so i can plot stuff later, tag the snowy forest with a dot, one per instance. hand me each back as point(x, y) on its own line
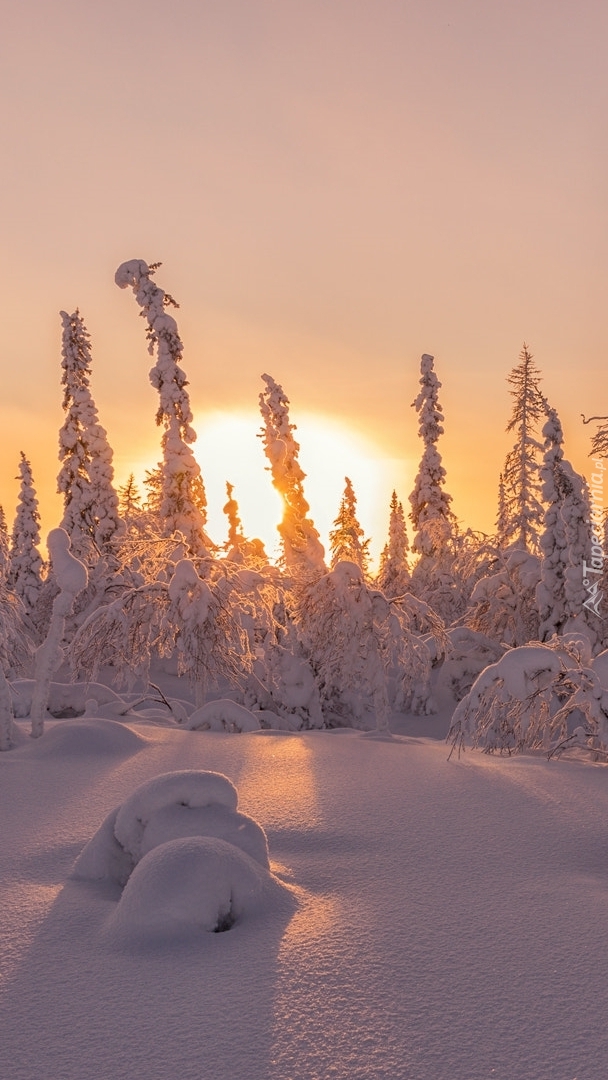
point(511, 625)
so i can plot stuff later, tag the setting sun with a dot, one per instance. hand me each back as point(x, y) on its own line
point(228, 449)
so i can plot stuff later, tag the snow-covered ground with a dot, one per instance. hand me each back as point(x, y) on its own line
point(447, 919)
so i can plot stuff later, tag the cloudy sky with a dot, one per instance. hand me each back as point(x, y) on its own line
point(334, 187)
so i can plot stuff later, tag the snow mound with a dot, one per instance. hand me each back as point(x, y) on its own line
point(84, 738)
point(176, 805)
point(65, 699)
point(193, 884)
point(222, 715)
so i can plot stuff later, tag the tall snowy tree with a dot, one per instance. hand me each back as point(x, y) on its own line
point(523, 510)
point(85, 479)
point(430, 513)
point(25, 559)
point(302, 547)
point(4, 546)
point(183, 504)
point(394, 574)
point(235, 527)
point(238, 548)
point(346, 538)
point(502, 526)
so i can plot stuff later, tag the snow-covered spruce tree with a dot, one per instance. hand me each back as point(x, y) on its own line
point(394, 574)
point(71, 577)
point(564, 542)
point(430, 514)
point(522, 508)
point(183, 502)
point(25, 559)
point(235, 526)
point(130, 504)
point(502, 525)
point(90, 514)
point(238, 548)
point(346, 538)
point(302, 548)
point(4, 547)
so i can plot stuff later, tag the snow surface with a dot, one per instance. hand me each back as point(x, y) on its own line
point(445, 919)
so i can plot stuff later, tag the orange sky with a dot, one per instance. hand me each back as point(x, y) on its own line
point(334, 187)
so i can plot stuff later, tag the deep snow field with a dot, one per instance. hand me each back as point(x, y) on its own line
point(437, 920)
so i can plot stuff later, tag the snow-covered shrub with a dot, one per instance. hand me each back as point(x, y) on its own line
point(194, 885)
point(224, 714)
point(189, 861)
point(187, 616)
point(176, 804)
point(211, 641)
point(71, 577)
point(503, 603)
point(341, 622)
point(535, 697)
point(125, 634)
point(282, 682)
point(467, 655)
point(415, 639)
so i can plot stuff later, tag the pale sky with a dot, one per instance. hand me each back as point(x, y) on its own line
point(334, 187)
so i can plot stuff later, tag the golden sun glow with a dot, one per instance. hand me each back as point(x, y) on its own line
point(228, 448)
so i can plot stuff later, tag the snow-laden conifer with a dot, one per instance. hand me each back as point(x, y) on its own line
point(394, 575)
point(522, 508)
point(183, 502)
point(346, 538)
point(25, 559)
point(4, 546)
point(565, 542)
point(238, 547)
point(550, 592)
point(502, 525)
point(235, 526)
point(129, 503)
point(302, 548)
point(431, 515)
point(86, 476)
